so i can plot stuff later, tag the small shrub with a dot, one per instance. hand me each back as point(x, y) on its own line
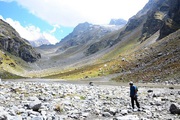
point(82, 98)
point(58, 108)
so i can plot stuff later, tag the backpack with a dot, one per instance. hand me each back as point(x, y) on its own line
point(136, 88)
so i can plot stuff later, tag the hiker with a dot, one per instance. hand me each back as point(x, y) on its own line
point(133, 95)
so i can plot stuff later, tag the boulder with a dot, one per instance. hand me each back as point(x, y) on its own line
point(3, 117)
point(35, 105)
point(174, 109)
point(150, 91)
point(106, 114)
point(124, 112)
point(91, 83)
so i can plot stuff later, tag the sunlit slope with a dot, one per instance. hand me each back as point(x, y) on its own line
point(156, 62)
point(53, 62)
point(109, 60)
point(148, 61)
point(9, 68)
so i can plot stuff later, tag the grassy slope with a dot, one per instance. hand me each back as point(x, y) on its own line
point(136, 61)
point(9, 68)
point(72, 69)
point(157, 62)
point(110, 63)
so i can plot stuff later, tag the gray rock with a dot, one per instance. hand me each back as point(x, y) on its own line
point(74, 116)
point(106, 114)
point(85, 114)
point(174, 109)
point(124, 112)
point(171, 87)
point(113, 111)
point(3, 117)
point(150, 91)
point(35, 105)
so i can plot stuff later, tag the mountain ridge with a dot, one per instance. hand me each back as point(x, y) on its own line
point(138, 47)
point(85, 32)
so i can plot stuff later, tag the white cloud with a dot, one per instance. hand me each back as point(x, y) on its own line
point(55, 28)
point(52, 39)
point(72, 12)
point(30, 32)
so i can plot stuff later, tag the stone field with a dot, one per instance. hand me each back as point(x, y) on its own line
point(63, 101)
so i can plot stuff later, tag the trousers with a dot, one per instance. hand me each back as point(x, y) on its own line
point(132, 102)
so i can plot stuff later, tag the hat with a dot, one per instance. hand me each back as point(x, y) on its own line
point(131, 83)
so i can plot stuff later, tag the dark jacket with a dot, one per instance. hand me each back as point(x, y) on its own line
point(133, 91)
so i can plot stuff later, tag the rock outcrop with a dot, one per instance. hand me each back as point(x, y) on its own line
point(157, 15)
point(164, 16)
point(11, 42)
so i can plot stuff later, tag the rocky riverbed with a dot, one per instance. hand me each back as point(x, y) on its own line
point(65, 101)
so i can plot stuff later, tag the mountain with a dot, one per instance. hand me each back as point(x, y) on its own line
point(39, 42)
point(72, 49)
point(155, 58)
point(157, 15)
point(16, 53)
point(86, 33)
point(146, 49)
point(11, 42)
point(118, 22)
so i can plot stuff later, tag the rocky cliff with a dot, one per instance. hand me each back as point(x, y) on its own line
point(157, 15)
point(11, 42)
point(164, 16)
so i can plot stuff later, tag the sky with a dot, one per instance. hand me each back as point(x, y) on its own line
point(55, 19)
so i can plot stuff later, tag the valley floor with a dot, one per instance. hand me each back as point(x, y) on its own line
point(39, 99)
point(106, 80)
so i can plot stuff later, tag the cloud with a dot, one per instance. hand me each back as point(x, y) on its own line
point(50, 37)
point(30, 32)
point(55, 28)
point(73, 12)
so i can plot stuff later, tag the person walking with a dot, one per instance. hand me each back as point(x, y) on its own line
point(133, 95)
